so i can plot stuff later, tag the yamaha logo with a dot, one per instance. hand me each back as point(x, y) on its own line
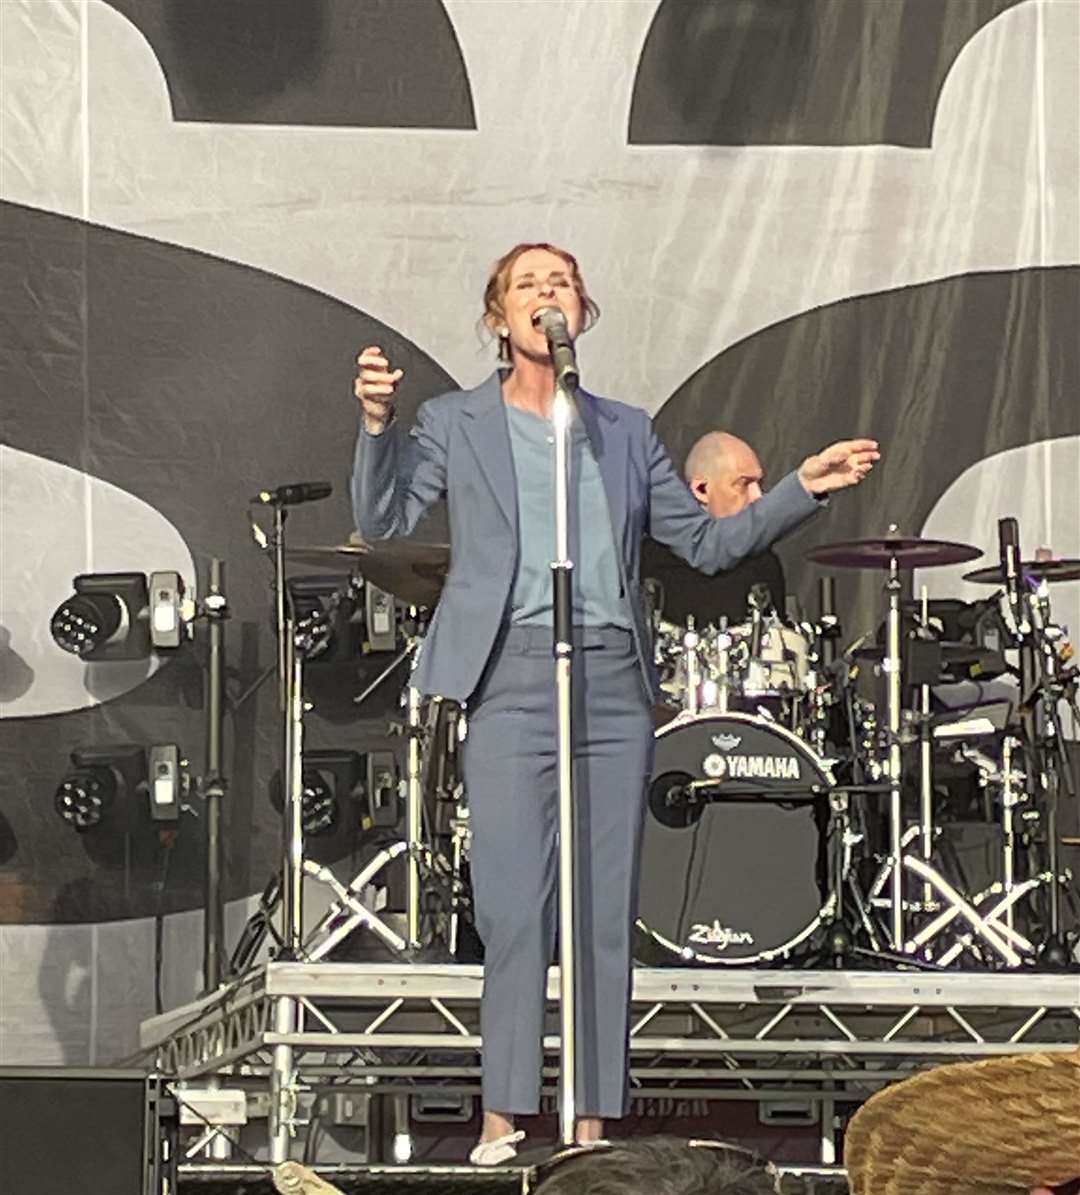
point(751, 767)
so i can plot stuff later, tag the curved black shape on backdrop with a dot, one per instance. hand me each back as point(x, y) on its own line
point(365, 63)
point(206, 380)
point(799, 72)
point(944, 374)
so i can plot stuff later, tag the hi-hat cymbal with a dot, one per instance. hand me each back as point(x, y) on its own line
point(413, 572)
point(1038, 570)
point(908, 552)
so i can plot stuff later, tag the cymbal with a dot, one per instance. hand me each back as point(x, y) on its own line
point(907, 551)
point(1038, 570)
point(413, 572)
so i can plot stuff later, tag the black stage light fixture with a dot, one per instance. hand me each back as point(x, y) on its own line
point(329, 620)
point(122, 616)
point(332, 793)
point(104, 779)
point(99, 778)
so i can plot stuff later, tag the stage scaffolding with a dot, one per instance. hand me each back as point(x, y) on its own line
point(825, 1036)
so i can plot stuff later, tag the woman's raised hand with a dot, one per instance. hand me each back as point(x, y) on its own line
point(374, 387)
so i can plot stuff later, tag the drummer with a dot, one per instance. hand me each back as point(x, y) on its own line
point(725, 476)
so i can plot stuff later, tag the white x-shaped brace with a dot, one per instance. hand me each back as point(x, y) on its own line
point(335, 927)
point(1009, 944)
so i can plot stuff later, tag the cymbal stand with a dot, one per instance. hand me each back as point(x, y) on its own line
point(413, 819)
point(891, 666)
point(996, 927)
point(283, 1089)
point(1054, 770)
point(926, 774)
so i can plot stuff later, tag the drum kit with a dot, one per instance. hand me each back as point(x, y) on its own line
point(803, 791)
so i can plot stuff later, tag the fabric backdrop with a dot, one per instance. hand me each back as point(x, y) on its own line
point(802, 219)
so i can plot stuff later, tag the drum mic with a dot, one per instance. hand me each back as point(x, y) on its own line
point(827, 618)
point(759, 599)
point(1009, 553)
point(552, 322)
point(291, 495)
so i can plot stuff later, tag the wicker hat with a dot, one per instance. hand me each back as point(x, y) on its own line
point(290, 1178)
point(993, 1127)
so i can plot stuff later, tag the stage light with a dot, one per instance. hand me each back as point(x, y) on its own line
point(84, 796)
point(319, 807)
point(332, 794)
point(328, 620)
point(122, 616)
point(106, 781)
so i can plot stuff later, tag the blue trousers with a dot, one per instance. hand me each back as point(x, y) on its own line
point(509, 764)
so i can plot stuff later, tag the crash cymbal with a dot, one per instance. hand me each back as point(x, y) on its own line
point(908, 552)
point(413, 572)
point(1038, 570)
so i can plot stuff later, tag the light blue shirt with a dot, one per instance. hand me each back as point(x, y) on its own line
point(598, 598)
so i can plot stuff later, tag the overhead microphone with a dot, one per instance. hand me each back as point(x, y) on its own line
point(291, 495)
point(552, 322)
point(1009, 551)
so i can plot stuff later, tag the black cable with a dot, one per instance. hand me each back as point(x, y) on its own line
point(168, 841)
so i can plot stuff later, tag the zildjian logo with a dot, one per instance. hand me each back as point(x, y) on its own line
point(720, 936)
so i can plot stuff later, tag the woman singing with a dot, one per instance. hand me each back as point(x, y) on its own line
point(490, 452)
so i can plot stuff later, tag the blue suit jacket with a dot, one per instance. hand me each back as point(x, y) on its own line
point(460, 447)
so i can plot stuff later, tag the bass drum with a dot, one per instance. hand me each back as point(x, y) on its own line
point(733, 859)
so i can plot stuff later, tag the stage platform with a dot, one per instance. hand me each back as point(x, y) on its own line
point(825, 1039)
point(442, 1180)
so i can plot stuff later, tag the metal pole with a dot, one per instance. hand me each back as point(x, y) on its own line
point(413, 813)
point(690, 664)
point(892, 700)
point(1008, 800)
point(292, 887)
point(562, 569)
point(281, 605)
point(926, 775)
point(282, 1118)
point(214, 783)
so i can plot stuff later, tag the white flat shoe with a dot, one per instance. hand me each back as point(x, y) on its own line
point(494, 1153)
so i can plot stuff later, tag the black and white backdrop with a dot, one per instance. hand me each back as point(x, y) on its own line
point(801, 218)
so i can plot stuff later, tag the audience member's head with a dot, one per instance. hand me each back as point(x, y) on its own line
point(660, 1166)
point(723, 473)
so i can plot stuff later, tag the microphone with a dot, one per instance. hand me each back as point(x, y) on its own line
point(759, 599)
point(1009, 553)
point(291, 495)
point(552, 323)
point(827, 618)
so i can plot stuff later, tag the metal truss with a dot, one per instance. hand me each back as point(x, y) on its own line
point(725, 1034)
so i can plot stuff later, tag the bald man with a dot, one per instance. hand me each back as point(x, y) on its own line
point(725, 476)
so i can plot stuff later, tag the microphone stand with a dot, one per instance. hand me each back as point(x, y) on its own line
point(562, 578)
point(214, 784)
point(283, 1093)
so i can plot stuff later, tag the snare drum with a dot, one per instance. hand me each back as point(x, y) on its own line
point(733, 860)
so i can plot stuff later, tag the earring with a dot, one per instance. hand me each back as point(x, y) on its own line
point(504, 359)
